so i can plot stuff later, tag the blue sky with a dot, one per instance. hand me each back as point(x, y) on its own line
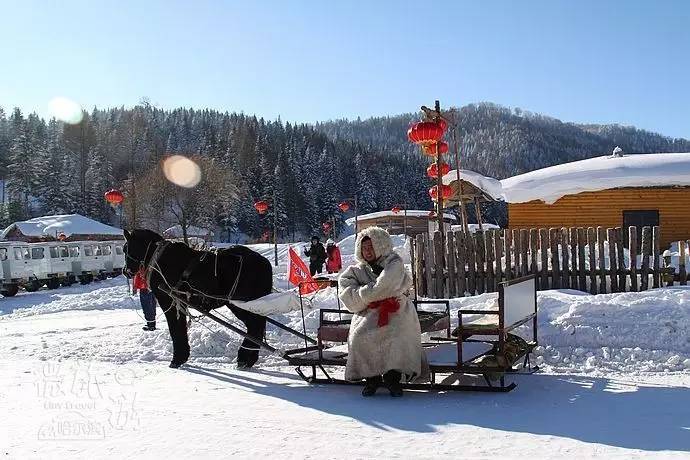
point(584, 61)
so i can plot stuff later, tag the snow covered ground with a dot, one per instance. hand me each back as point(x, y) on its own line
point(79, 378)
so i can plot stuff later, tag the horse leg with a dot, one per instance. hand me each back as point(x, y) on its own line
point(178, 333)
point(248, 354)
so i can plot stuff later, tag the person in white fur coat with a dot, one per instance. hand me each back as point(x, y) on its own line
point(385, 338)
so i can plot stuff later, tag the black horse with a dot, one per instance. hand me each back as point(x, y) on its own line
point(211, 279)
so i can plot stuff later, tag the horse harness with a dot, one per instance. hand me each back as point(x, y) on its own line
point(209, 301)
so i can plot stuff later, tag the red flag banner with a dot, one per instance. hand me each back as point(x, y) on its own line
point(299, 273)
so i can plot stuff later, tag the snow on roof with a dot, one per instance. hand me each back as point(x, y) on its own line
point(410, 213)
point(601, 173)
point(473, 228)
point(488, 185)
point(176, 231)
point(69, 224)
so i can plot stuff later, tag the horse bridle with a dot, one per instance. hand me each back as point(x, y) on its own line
point(142, 262)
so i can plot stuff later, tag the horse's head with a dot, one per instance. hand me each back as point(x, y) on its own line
point(138, 248)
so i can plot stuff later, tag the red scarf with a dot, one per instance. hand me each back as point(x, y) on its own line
point(386, 307)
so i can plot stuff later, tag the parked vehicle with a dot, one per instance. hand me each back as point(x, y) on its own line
point(52, 264)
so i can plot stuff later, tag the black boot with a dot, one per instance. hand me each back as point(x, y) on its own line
point(150, 326)
point(371, 385)
point(392, 380)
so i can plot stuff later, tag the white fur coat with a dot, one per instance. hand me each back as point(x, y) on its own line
point(374, 350)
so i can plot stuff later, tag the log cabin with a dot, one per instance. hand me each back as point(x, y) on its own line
point(609, 191)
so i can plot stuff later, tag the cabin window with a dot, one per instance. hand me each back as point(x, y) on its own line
point(3, 253)
point(26, 253)
point(106, 249)
point(73, 251)
point(88, 251)
point(97, 250)
point(639, 219)
point(54, 252)
point(37, 253)
point(118, 250)
point(18, 254)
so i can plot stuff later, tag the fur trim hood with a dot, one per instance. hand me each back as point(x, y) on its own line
point(380, 239)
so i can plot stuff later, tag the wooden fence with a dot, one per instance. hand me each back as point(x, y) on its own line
point(559, 257)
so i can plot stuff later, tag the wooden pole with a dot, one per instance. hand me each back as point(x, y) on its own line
point(478, 212)
point(275, 227)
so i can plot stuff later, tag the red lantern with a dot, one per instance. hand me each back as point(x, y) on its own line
point(430, 149)
point(261, 207)
point(114, 197)
point(432, 171)
point(344, 206)
point(395, 209)
point(425, 132)
point(446, 192)
point(443, 123)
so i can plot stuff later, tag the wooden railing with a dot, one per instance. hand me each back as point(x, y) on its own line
point(560, 258)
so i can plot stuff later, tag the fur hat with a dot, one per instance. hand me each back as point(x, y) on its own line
point(380, 239)
point(329, 242)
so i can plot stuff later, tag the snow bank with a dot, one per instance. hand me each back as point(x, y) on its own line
point(68, 224)
point(601, 173)
point(625, 332)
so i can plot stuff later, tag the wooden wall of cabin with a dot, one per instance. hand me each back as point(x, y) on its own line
point(605, 208)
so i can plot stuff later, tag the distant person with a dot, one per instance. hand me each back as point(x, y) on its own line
point(334, 262)
point(317, 255)
point(147, 299)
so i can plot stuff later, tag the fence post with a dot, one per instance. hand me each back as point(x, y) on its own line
point(567, 238)
point(508, 248)
point(591, 247)
point(419, 265)
point(440, 271)
point(601, 237)
point(554, 235)
point(622, 278)
point(656, 274)
point(460, 262)
point(544, 253)
point(471, 264)
point(430, 267)
point(489, 243)
point(582, 275)
point(613, 261)
point(481, 258)
point(572, 247)
point(646, 251)
point(450, 262)
point(632, 243)
point(524, 248)
point(682, 274)
point(498, 254)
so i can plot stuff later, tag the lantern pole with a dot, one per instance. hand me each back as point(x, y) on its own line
point(439, 181)
point(356, 219)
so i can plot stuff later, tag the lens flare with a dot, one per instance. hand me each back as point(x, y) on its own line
point(182, 171)
point(66, 110)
